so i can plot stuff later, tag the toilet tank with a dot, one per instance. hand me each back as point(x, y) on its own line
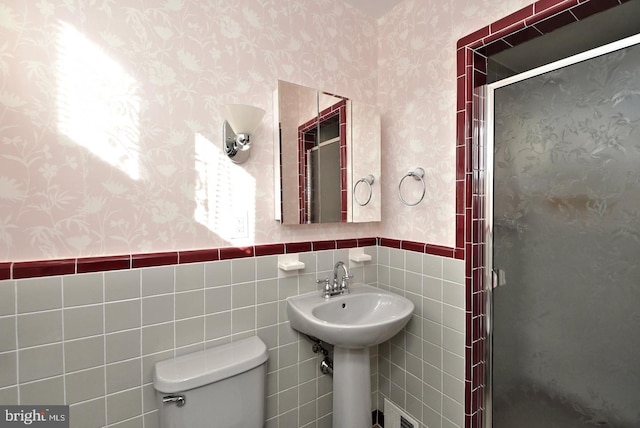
point(224, 387)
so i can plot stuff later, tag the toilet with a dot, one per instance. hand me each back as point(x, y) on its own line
point(221, 387)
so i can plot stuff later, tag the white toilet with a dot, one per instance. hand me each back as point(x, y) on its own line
point(223, 387)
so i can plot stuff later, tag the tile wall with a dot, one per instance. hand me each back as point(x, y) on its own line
point(422, 370)
point(90, 340)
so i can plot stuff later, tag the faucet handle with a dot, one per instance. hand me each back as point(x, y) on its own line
point(326, 291)
point(344, 284)
point(347, 277)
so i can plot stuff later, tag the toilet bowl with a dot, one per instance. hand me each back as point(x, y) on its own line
point(223, 387)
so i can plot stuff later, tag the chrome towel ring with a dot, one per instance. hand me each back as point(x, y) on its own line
point(369, 179)
point(416, 174)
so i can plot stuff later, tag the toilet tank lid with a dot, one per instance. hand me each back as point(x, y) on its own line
point(212, 365)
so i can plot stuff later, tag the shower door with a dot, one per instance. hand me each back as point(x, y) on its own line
point(565, 326)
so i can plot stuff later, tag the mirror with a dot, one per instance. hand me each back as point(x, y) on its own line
point(325, 147)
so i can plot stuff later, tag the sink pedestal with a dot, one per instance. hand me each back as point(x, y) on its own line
point(351, 388)
point(366, 316)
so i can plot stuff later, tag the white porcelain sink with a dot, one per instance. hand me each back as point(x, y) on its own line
point(351, 322)
point(365, 317)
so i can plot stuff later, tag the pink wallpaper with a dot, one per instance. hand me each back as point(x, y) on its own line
point(417, 94)
point(110, 129)
point(110, 126)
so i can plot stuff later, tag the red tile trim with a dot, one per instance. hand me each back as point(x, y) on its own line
point(154, 259)
point(298, 247)
point(513, 19)
point(589, 8)
point(103, 264)
point(554, 22)
point(235, 252)
point(44, 268)
point(5, 271)
point(461, 89)
point(438, 250)
point(528, 33)
point(460, 63)
point(324, 245)
point(367, 242)
point(493, 48)
point(391, 243)
point(346, 243)
point(198, 256)
point(413, 246)
point(473, 37)
point(542, 5)
point(269, 249)
point(39, 268)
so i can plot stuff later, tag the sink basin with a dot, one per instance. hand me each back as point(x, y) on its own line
point(365, 317)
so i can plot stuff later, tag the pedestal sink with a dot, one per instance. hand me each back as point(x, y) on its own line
point(353, 322)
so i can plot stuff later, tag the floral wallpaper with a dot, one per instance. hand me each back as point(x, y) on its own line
point(417, 69)
point(110, 124)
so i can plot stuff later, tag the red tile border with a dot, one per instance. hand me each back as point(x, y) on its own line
point(298, 247)
point(413, 246)
point(268, 250)
point(39, 268)
point(391, 243)
point(514, 19)
point(5, 270)
point(43, 268)
point(494, 47)
point(524, 35)
point(324, 245)
point(346, 243)
point(229, 253)
point(586, 9)
point(103, 264)
point(198, 256)
point(542, 5)
point(473, 37)
point(555, 21)
point(438, 250)
point(154, 259)
point(367, 242)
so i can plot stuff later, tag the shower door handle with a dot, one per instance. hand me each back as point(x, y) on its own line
point(498, 278)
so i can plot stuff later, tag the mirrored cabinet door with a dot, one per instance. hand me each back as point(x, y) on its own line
point(323, 143)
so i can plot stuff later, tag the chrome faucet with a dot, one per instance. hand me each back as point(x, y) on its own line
point(343, 287)
point(336, 287)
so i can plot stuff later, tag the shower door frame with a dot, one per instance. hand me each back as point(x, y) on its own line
point(531, 21)
point(486, 138)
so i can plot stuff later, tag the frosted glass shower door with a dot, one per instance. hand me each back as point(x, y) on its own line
point(566, 230)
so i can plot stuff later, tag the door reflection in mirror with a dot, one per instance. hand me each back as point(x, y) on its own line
point(316, 156)
point(322, 151)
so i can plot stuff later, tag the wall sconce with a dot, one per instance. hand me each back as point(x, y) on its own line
point(240, 122)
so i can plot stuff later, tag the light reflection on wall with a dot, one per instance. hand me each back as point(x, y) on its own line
point(225, 195)
point(98, 102)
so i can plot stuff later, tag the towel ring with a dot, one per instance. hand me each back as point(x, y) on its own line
point(369, 179)
point(416, 174)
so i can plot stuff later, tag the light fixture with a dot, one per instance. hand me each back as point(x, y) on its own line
point(240, 122)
